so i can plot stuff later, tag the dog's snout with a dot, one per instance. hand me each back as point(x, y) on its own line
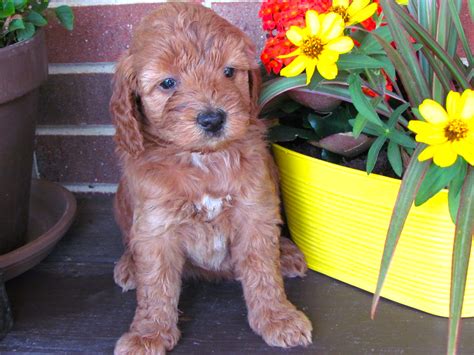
point(211, 121)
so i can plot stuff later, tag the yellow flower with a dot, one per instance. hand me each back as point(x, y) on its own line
point(354, 11)
point(403, 2)
point(449, 132)
point(320, 43)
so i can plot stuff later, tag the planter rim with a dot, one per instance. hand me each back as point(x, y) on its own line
point(379, 177)
point(5, 51)
point(23, 67)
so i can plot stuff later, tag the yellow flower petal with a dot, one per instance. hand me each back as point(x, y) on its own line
point(433, 112)
point(341, 45)
point(402, 2)
point(467, 104)
point(327, 70)
point(340, 3)
point(295, 35)
point(444, 155)
point(356, 6)
point(427, 132)
point(292, 54)
point(332, 26)
point(328, 56)
point(362, 15)
point(432, 137)
point(465, 149)
point(310, 71)
point(427, 153)
point(418, 126)
point(312, 22)
point(296, 67)
point(453, 104)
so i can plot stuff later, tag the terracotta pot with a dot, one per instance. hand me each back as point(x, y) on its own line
point(339, 218)
point(23, 67)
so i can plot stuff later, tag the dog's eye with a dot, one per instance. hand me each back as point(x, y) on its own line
point(229, 72)
point(168, 83)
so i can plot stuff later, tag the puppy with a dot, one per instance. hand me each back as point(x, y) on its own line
point(198, 195)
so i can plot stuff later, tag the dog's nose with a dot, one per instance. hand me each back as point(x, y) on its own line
point(211, 121)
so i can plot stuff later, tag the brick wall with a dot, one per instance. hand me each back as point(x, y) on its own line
point(74, 134)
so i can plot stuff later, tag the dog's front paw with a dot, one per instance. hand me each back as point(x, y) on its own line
point(285, 328)
point(132, 343)
point(292, 261)
point(124, 274)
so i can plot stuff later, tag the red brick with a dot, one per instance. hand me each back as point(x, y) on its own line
point(101, 33)
point(75, 99)
point(467, 26)
point(244, 15)
point(77, 159)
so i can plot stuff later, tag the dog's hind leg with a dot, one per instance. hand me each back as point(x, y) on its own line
point(292, 261)
point(124, 272)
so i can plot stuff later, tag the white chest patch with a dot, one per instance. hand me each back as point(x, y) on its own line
point(196, 159)
point(211, 206)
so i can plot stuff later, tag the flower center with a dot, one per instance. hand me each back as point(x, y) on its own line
point(312, 47)
point(456, 130)
point(341, 11)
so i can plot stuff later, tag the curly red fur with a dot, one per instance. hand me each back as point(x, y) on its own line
point(192, 203)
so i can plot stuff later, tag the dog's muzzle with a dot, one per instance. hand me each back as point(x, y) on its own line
point(211, 121)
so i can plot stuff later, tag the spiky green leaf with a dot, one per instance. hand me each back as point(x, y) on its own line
point(461, 253)
point(408, 189)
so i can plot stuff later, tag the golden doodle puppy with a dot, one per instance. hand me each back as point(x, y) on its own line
point(198, 195)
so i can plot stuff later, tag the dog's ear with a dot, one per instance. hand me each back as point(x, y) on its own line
point(254, 79)
point(124, 110)
point(255, 83)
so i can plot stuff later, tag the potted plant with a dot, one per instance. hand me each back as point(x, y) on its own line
point(23, 67)
point(395, 79)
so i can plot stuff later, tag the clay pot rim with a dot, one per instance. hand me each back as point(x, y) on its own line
point(47, 239)
point(4, 51)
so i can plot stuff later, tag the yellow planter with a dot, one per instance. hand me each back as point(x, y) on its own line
point(339, 218)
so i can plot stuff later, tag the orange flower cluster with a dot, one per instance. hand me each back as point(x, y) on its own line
point(277, 17)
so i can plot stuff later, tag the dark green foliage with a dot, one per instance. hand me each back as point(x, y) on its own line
point(20, 19)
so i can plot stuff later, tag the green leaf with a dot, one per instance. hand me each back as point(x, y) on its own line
point(7, 9)
point(401, 138)
point(352, 61)
point(395, 158)
point(26, 33)
point(281, 133)
point(358, 125)
point(422, 36)
point(454, 192)
point(335, 122)
point(408, 189)
point(459, 28)
point(40, 5)
point(65, 16)
point(273, 88)
point(435, 180)
point(461, 253)
point(405, 47)
point(373, 153)
point(413, 90)
point(361, 102)
point(20, 4)
point(370, 44)
point(396, 114)
point(16, 24)
point(388, 66)
point(36, 19)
